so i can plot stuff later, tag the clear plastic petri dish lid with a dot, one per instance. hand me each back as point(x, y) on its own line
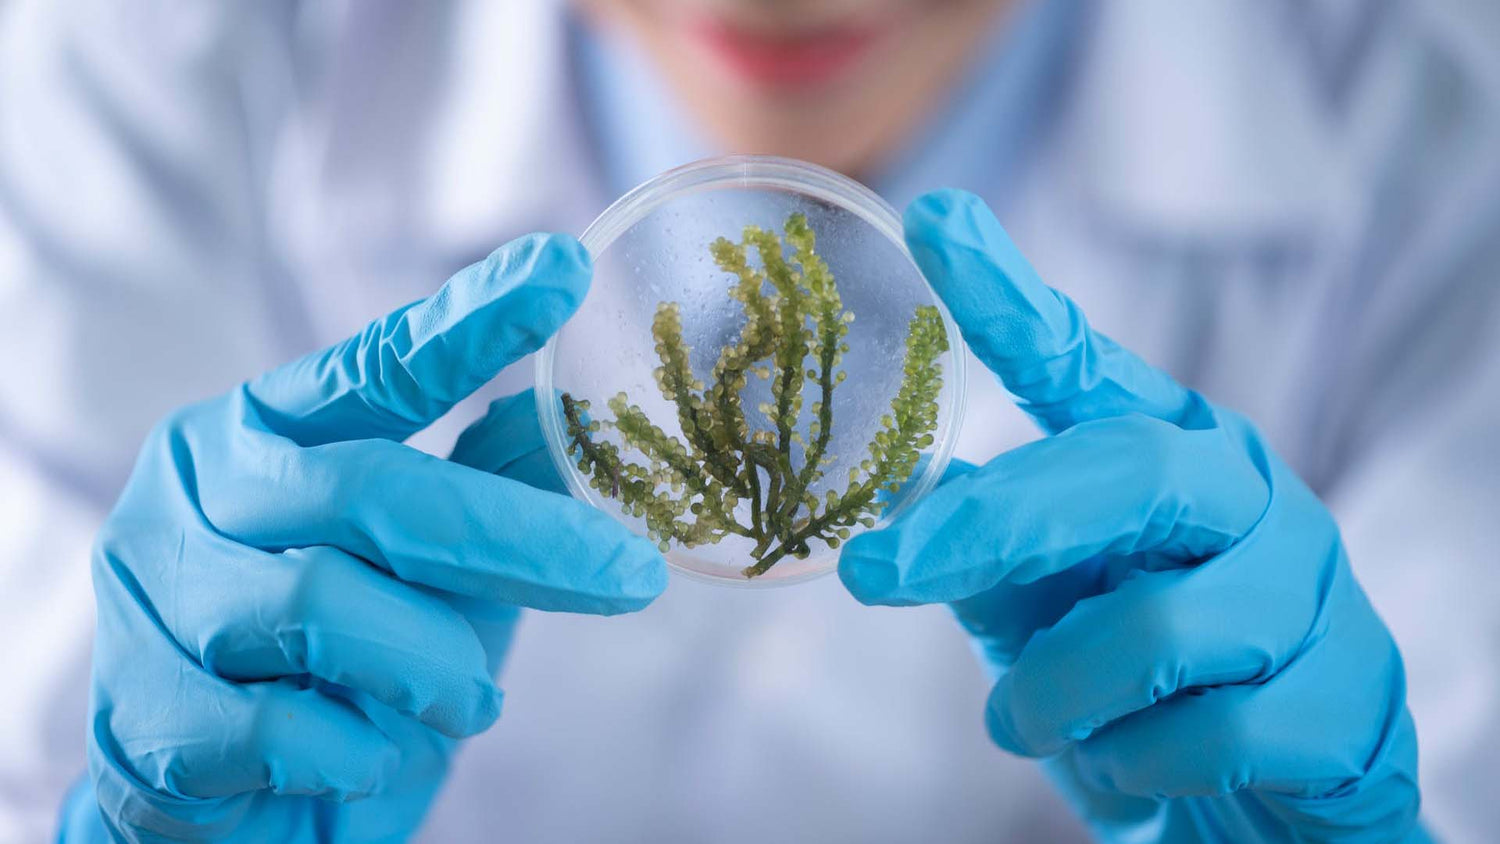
point(686, 397)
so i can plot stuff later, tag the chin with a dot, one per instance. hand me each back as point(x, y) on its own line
point(844, 91)
point(798, 132)
point(838, 121)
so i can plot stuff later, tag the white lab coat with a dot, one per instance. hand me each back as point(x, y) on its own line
point(1292, 207)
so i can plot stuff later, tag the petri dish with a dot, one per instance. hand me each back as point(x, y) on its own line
point(654, 249)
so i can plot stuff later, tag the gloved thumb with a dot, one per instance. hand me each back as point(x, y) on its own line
point(408, 368)
point(508, 441)
point(1035, 339)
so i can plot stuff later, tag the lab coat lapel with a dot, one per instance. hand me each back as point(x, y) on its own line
point(513, 122)
point(430, 139)
point(1160, 140)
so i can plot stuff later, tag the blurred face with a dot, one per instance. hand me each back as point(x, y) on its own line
point(838, 82)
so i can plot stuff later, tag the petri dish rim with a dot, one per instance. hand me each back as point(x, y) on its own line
point(763, 172)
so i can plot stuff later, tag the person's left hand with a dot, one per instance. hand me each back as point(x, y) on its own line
point(1167, 609)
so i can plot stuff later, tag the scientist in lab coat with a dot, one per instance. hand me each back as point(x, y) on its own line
point(1292, 209)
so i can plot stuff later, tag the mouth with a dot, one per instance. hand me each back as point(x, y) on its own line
point(786, 60)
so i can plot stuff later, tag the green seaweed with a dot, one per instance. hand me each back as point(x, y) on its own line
point(691, 490)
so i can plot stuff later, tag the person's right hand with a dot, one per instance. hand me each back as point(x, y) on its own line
point(297, 613)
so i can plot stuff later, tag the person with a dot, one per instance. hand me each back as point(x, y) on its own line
point(1287, 210)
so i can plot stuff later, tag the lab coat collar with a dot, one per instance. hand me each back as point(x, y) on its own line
point(998, 114)
point(1154, 135)
point(636, 126)
point(1158, 139)
point(513, 155)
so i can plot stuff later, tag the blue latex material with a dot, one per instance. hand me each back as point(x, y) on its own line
point(298, 616)
point(1168, 611)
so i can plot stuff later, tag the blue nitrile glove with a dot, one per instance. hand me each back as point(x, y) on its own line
point(297, 614)
point(1168, 611)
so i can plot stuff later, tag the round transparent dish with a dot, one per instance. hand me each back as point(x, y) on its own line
point(676, 399)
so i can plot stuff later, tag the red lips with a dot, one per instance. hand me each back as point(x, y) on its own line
point(786, 60)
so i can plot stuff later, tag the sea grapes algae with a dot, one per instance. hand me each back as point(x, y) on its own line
point(729, 476)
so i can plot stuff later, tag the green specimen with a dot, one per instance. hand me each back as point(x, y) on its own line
point(692, 492)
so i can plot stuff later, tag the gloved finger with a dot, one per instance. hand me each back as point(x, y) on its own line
point(409, 367)
point(294, 741)
point(1130, 486)
point(508, 441)
point(1034, 338)
point(429, 521)
point(166, 735)
point(1334, 711)
point(1154, 636)
point(318, 611)
point(1002, 618)
point(956, 468)
point(494, 622)
point(1263, 737)
point(203, 737)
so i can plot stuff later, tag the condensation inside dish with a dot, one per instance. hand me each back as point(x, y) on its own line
point(607, 347)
